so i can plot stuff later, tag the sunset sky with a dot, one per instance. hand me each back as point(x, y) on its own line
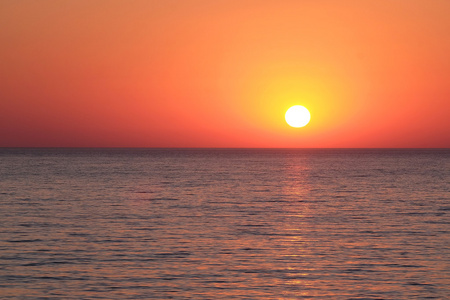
point(222, 73)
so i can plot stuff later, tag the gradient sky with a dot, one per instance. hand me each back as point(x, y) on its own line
point(222, 73)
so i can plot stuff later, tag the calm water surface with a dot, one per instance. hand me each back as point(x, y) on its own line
point(224, 224)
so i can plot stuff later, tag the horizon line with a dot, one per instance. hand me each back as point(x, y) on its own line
point(225, 148)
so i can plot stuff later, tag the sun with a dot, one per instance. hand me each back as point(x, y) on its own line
point(297, 116)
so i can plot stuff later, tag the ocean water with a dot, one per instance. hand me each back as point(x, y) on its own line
point(224, 224)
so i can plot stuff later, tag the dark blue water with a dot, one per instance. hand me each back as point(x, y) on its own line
point(224, 224)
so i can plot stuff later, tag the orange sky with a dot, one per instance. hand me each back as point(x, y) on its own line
point(222, 73)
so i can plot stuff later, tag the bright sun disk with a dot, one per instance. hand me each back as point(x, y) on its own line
point(297, 116)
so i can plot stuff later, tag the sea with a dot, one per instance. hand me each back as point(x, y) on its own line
point(224, 223)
